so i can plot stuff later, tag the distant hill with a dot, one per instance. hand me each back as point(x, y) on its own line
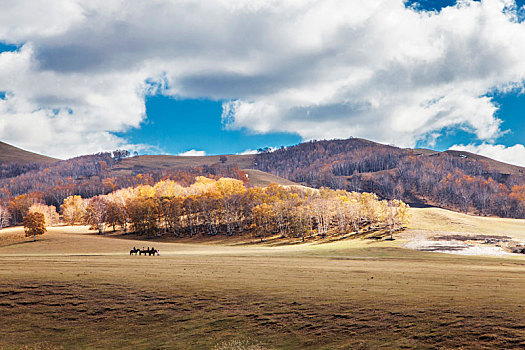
point(492, 165)
point(455, 180)
point(147, 163)
point(165, 162)
point(261, 178)
point(12, 154)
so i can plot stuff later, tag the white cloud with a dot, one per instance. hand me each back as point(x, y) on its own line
point(322, 69)
point(248, 151)
point(193, 153)
point(512, 155)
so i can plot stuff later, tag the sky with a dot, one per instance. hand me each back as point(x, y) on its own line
point(231, 76)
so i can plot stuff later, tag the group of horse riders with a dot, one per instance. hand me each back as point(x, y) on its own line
point(148, 251)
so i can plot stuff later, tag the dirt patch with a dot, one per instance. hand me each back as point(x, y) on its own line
point(483, 238)
point(453, 246)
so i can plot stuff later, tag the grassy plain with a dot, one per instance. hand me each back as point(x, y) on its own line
point(245, 162)
point(12, 154)
point(76, 290)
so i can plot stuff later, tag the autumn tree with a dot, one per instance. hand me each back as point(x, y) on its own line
point(143, 216)
point(210, 206)
point(73, 210)
point(230, 192)
point(120, 198)
point(323, 208)
point(4, 216)
point(171, 211)
point(397, 215)
point(34, 224)
point(353, 207)
point(19, 207)
point(113, 216)
point(49, 211)
point(263, 218)
point(95, 214)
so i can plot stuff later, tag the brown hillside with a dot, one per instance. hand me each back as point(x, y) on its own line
point(12, 154)
point(261, 178)
point(493, 165)
point(166, 162)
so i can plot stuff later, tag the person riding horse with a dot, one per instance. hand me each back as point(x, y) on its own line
point(148, 251)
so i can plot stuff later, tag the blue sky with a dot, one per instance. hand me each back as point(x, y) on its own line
point(175, 126)
point(512, 114)
point(233, 76)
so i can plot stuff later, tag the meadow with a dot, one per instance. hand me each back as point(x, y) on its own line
point(73, 289)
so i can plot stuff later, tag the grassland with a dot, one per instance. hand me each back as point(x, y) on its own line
point(159, 162)
point(163, 162)
point(74, 289)
point(11, 154)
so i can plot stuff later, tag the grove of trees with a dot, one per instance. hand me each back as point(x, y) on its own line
point(227, 207)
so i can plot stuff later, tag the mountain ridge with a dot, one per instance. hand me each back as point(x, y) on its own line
point(13, 154)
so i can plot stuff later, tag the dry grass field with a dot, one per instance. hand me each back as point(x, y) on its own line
point(164, 162)
point(156, 162)
point(73, 289)
point(10, 154)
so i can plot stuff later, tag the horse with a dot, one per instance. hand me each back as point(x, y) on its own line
point(148, 251)
point(134, 251)
point(153, 252)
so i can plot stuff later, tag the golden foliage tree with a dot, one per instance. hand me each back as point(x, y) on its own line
point(4, 216)
point(73, 210)
point(95, 214)
point(34, 224)
point(49, 211)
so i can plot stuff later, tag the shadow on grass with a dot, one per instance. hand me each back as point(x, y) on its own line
point(23, 243)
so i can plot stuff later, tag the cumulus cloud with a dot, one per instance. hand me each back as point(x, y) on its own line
point(248, 151)
point(512, 155)
point(322, 69)
point(193, 153)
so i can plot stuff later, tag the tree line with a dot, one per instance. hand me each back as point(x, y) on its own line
point(226, 206)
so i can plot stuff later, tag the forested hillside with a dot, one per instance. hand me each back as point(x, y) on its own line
point(23, 185)
point(452, 179)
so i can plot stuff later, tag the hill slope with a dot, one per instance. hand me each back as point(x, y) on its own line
point(12, 154)
point(148, 163)
point(492, 165)
point(165, 162)
point(453, 179)
point(51, 181)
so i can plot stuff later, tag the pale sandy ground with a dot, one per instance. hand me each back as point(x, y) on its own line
point(456, 247)
point(427, 224)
